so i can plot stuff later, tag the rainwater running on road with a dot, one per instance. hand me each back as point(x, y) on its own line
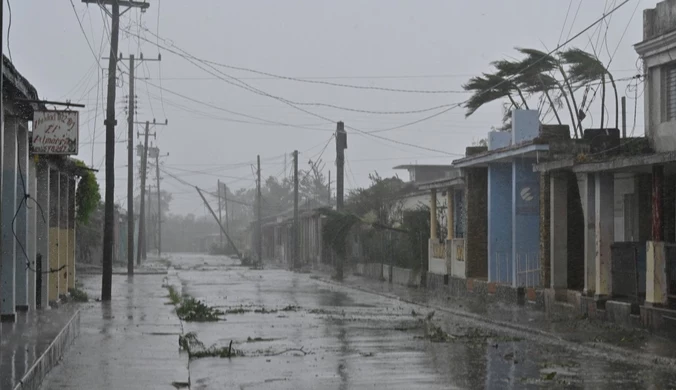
point(352, 339)
point(294, 331)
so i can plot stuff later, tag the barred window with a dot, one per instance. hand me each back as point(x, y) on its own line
point(670, 92)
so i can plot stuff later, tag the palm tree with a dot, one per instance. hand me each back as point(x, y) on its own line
point(529, 78)
point(585, 68)
point(487, 88)
point(543, 63)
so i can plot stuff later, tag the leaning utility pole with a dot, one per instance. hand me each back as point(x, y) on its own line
point(259, 224)
point(341, 145)
point(110, 122)
point(296, 230)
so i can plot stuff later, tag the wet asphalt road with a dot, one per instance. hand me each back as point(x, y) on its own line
point(298, 332)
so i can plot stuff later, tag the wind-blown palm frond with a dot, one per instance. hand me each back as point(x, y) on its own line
point(540, 62)
point(584, 67)
point(487, 88)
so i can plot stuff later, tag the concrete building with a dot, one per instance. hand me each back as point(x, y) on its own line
point(277, 233)
point(446, 252)
point(37, 255)
point(513, 200)
point(626, 189)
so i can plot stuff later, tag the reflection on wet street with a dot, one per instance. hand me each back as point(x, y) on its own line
point(297, 332)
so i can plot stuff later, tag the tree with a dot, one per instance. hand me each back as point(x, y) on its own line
point(586, 68)
point(488, 88)
point(544, 63)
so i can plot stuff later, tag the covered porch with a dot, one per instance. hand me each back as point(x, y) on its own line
point(630, 228)
point(446, 254)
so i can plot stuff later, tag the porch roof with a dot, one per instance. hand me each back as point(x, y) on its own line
point(637, 163)
point(526, 149)
point(442, 183)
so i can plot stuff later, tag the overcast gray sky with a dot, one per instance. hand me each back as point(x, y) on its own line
point(422, 45)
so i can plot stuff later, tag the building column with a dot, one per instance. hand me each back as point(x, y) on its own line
point(657, 203)
point(7, 241)
point(433, 216)
point(63, 234)
point(656, 275)
point(42, 228)
point(605, 232)
point(588, 198)
point(31, 245)
point(558, 230)
point(449, 214)
point(20, 225)
point(54, 236)
point(71, 233)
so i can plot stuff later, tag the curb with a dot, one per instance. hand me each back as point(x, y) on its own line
point(50, 358)
point(598, 349)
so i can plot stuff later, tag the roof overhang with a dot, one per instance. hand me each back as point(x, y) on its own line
point(639, 163)
point(502, 155)
point(442, 184)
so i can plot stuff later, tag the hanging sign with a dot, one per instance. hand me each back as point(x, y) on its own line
point(56, 132)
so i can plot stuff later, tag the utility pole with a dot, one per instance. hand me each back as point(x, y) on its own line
point(341, 145)
point(220, 217)
point(259, 225)
point(111, 122)
point(624, 117)
point(130, 170)
point(142, 212)
point(227, 214)
point(329, 195)
point(156, 153)
point(130, 159)
point(143, 152)
point(296, 235)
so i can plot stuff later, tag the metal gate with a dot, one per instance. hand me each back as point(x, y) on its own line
point(628, 269)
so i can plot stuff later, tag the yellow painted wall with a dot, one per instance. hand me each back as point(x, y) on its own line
point(53, 263)
point(63, 261)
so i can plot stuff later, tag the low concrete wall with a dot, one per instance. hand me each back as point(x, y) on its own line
point(359, 269)
point(406, 277)
point(372, 270)
point(436, 282)
point(437, 266)
point(50, 358)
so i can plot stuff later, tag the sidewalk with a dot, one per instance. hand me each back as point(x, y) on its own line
point(598, 335)
point(129, 343)
point(32, 345)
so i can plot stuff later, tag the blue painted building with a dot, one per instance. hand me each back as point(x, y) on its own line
point(513, 200)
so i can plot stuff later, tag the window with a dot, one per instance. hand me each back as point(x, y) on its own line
point(459, 214)
point(670, 92)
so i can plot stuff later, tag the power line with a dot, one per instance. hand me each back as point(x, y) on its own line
point(187, 56)
point(248, 87)
point(79, 22)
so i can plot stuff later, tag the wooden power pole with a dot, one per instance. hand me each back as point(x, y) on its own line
point(259, 224)
point(341, 145)
point(296, 225)
point(130, 170)
point(130, 159)
point(141, 249)
point(111, 122)
point(220, 216)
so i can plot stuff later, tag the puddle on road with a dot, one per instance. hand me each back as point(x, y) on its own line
point(339, 338)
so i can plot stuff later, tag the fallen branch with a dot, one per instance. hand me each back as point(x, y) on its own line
point(290, 350)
